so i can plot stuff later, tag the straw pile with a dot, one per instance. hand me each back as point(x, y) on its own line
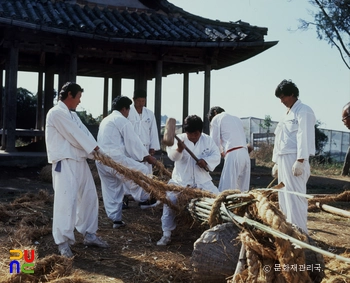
point(26, 221)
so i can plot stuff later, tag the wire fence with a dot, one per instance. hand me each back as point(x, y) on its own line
point(335, 148)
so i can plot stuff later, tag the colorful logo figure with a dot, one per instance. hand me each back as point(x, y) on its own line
point(25, 268)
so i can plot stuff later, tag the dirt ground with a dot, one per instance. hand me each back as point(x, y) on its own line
point(133, 255)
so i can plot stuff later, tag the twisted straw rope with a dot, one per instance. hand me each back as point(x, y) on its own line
point(154, 187)
point(275, 250)
point(287, 254)
point(162, 170)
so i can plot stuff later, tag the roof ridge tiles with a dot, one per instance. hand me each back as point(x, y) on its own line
point(124, 30)
point(85, 16)
point(77, 21)
point(147, 26)
point(101, 16)
point(31, 11)
point(174, 27)
point(44, 14)
point(54, 13)
point(157, 19)
point(135, 24)
point(11, 10)
point(124, 22)
point(148, 19)
point(64, 15)
point(22, 11)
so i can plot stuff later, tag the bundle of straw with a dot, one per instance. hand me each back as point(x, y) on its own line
point(268, 240)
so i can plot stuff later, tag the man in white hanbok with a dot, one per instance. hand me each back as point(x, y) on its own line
point(69, 143)
point(187, 172)
point(118, 140)
point(144, 124)
point(228, 133)
point(294, 144)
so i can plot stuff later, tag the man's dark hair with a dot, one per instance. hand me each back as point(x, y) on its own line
point(72, 87)
point(214, 111)
point(140, 93)
point(287, 88)
point(120, 102)
point(192, 124)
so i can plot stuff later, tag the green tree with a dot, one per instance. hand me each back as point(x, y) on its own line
point(26, 109)
point(332, 22)
point(267, 125)
point(87, 118)
point(321, 138)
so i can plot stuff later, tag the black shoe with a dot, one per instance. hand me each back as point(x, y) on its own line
point(125, 202)
point(118, 224)
point(149, 203)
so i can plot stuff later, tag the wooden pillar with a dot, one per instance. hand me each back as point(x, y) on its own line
point(1, 98)
point(62, 79)
point(5, 109)
point(206, 106)
point(63, 76)
point(39, 107)
point(73, 66)
point(11, 94)
point(116, 87)
point(140, 81)
point(158, 95)
point(49, 92)
point(185, 96)
point(105, 98)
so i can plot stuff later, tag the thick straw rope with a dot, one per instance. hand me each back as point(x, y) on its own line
point(261, 247)
point(287, 253)
point(154, 187)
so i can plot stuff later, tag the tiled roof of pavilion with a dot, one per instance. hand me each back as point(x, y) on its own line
point(162, 23)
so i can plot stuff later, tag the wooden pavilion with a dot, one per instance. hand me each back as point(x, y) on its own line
point(112, 39)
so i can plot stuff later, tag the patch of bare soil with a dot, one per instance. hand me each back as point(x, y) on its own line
point(25, 221)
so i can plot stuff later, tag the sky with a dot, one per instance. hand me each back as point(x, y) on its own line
point(247, 89)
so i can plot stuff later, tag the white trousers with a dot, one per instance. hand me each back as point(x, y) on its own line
point(168, 216)
point(75, 201)
point(293, 206)
point(236, 171)
point(114, 186)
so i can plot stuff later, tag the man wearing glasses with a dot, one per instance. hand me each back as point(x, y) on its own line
point(294, 143)
point(346, 120)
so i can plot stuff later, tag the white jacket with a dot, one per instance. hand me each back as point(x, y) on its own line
point(227, 131)
point(145, 127)
point(116, 136)
point(186, 172)
point(295, 133)
point(66, 136)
